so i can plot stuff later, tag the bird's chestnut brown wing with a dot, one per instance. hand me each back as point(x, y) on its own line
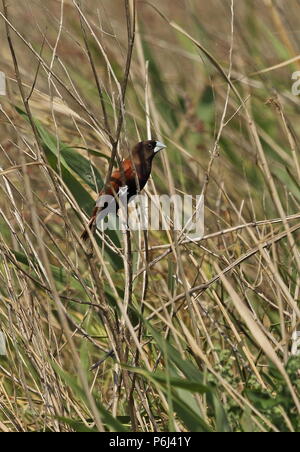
point(120, 178)
point(117, 180)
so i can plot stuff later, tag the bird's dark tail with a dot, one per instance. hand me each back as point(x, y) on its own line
point(85, 235)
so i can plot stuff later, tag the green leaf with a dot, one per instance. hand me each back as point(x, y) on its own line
point(171, 279)
point(167, 110)
point(56, 152)
point(84, 358)
point(77, 425)
point(184, 410)
point(206, 106)
point(59, 273)
point(51, 149)
point(246, 421)
point(187, 367)
point(222, 424)
point(112, 423)
point(286, 178)
point(91, 151)
point(185, 388)
point(262, 401)
point(192, 386)
point(85, 169)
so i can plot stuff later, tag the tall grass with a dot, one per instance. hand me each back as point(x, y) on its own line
point(150, 331)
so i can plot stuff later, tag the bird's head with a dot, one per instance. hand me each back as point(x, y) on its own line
point(148, 149)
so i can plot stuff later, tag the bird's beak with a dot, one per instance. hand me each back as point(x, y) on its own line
point(159, 146)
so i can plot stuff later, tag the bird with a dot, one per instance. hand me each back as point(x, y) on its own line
point(133, 175)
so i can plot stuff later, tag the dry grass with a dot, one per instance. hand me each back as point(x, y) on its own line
point(181, 335)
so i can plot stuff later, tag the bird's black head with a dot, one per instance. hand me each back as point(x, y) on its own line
point(148, 149)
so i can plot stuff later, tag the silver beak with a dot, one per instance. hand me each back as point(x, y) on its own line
point(159, 146)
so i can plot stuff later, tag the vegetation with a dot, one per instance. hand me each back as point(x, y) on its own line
point(150, 331)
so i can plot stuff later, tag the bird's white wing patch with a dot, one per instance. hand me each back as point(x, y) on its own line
point(123, 191)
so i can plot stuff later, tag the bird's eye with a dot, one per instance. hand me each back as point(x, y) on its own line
point(149, 146)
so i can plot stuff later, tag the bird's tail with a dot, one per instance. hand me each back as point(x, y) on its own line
point(85, 235)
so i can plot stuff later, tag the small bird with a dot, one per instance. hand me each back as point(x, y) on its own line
point(136, 168)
